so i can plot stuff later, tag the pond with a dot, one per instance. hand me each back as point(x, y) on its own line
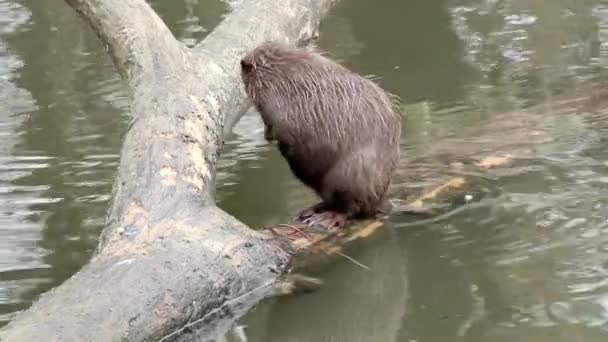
point(526, 260)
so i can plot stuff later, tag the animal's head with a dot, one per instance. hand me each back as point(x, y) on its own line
point(268, 62)
point(248, 68)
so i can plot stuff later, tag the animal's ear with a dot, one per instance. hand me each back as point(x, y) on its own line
point(246, 65)
point(262, 60)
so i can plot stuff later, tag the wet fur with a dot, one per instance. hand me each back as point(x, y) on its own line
point(338, 131)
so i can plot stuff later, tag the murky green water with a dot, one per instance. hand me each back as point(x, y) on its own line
point(528, 262)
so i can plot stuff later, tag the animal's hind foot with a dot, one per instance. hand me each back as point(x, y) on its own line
point(308, 212)
point(328, 219)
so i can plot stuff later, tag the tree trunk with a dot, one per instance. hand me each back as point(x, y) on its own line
point(168, 256)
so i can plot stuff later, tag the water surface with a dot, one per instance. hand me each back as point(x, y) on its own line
point(526, 262)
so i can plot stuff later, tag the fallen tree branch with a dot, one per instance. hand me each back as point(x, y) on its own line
point(168, 256)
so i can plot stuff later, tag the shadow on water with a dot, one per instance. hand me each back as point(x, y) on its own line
point(529, 261)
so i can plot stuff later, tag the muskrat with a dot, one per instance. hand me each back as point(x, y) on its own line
point(338, 131)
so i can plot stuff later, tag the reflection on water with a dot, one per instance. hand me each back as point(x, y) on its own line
point(18, 237)
point(529, 261)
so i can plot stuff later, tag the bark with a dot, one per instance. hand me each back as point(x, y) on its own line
point(168, 256)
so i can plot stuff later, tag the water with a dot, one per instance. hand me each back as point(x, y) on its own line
point(528, 261)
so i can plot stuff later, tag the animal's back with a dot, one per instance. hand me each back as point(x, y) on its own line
point(357, 131)
point(338, 108)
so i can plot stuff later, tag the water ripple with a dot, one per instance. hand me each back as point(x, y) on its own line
point(55, 182)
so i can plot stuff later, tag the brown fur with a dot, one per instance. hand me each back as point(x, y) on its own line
point(338, 131)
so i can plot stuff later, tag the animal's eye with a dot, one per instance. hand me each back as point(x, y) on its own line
point(246, 66)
